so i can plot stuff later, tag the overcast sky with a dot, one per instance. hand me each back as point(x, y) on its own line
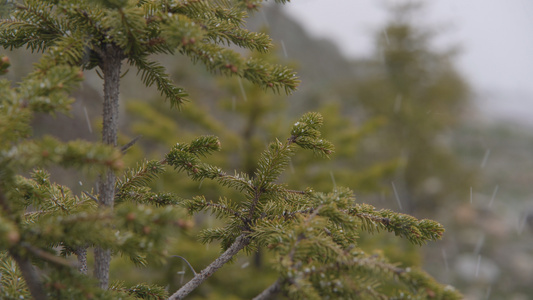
point(495, 37)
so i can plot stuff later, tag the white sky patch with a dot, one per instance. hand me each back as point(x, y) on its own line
point(493, 36)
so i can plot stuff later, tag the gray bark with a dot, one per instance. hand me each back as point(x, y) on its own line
point(111, 62)
point(30, 276)
point(81, 253)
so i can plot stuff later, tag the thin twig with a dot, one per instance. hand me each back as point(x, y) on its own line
point(297, 192)
point(90, 196)
point(270, 291)
point(190, 266)
point(240, 242)
point(125, 148)
point(48, 256)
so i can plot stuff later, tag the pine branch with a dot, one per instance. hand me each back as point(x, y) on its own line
point(225, 208)
point(305, 133)
point(225, 32)
point(272, 163)
point(48, 256)
point(242, 241)
point(416, 231)
point(35, 153)
point(239, 182)
point(33, 26)
point(222, 10)
point(145, 291)
point(228, 62)
point(139, 176)
point(126, 27)
point(152, 72)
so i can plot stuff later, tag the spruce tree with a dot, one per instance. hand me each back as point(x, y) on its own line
point(43, 224)
point(420, 94)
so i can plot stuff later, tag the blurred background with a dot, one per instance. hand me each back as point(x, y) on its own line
point(429, 105)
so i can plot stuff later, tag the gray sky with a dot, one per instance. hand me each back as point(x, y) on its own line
point(495, 37)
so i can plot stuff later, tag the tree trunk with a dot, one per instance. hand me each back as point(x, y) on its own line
point(110, 65)
point(30, 276)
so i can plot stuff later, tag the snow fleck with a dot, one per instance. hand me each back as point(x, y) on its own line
point(479, 244)
point(87, 119)
point(493, 195)
point(485, 158)
point(478, 263)
point(284, 49)
point(333, 180)
point(386, 35)
point(242, 89)
point(396, 195)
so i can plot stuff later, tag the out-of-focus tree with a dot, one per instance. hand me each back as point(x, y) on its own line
point(420, 94)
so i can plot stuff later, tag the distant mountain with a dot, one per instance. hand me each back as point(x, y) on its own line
point(319, 62)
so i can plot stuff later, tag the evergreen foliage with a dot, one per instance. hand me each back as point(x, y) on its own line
point(45, 229)
point(314, 235)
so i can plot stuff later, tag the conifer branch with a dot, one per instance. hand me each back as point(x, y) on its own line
point(240, 242)
point(416, 231)
point(224, 208)
point(139, 177)
point(48, 256)
point(152, 72)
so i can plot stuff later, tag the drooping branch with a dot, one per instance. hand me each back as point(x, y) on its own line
point(240, 242)
point(48, 256)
